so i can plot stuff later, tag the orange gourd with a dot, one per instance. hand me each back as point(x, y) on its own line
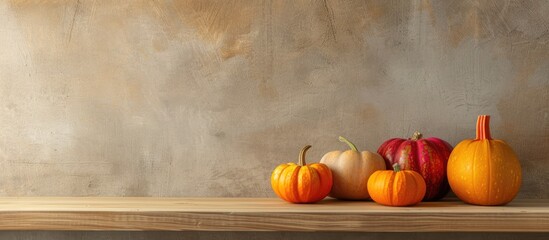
point(397, 187)
point(484, 171)
point(302, 183)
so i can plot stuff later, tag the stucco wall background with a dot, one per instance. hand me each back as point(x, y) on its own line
point(205, 98)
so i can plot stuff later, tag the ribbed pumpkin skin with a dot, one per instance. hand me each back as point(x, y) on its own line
point(302, 184)
point(428, 156)
point(402, 188)
point(484, 171)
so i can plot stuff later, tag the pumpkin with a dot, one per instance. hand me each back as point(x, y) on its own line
point(396, 187)
point(427, 156)
point(302, 183)
point(484, 171)
point(351, 170)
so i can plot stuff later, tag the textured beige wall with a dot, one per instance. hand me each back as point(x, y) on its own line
point(205, 98)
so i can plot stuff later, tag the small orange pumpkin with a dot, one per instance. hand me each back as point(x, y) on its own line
point(397, 187)
point(302, 183)
point(484, 171)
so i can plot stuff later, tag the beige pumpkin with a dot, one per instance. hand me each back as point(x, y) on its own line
point(351, 170)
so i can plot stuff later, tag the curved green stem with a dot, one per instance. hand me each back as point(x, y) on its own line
point(351, 145)
point(302, 155)
point(396, 167)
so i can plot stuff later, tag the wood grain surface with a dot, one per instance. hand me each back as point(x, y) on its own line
point(265, 214)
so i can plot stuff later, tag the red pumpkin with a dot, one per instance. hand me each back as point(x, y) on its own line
point(428, 156)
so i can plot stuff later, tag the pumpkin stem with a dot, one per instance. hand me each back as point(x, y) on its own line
point(396, 167)
point(417, 135)
point(483, 127)
point(302, 155)
point(351, 145)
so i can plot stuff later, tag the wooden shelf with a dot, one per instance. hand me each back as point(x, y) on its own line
point(265, 214)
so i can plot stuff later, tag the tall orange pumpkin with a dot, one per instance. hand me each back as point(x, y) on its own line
point(397, 187)
point(484, 171)
point(302, 183)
